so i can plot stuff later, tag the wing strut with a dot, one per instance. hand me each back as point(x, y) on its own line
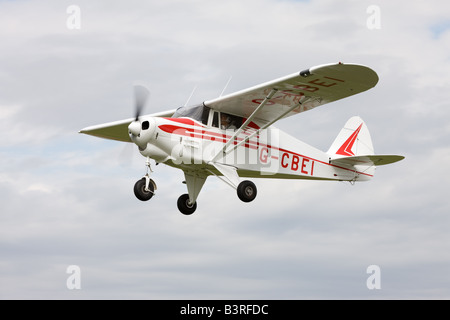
point(268, 124)
point(246, 123)
point(229, 174)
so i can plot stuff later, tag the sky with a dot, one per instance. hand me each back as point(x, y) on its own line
point(67, 199)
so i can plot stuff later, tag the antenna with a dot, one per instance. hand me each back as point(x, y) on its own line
point(226, 86)
point(192, 93)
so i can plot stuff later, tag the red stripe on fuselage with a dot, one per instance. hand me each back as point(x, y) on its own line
point(187, 121)
point(223, 138)
point(195, 132)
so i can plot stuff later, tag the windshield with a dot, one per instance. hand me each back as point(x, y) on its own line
point(199, 113)
point(194, 112)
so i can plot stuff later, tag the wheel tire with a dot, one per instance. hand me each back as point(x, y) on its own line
point(184, 206)
point(141, 193)
point(246, 191)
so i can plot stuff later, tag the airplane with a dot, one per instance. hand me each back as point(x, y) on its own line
point(232, 137)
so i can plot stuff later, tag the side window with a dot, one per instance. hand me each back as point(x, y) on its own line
point(230, 122)
point(205, 115)
point(221, 120)
point(215, 121)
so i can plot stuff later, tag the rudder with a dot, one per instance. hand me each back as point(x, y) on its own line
point(351, 144)
point(353, 149)
point(353, 140)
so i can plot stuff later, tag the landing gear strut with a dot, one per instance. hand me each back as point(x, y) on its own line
point(144, 189)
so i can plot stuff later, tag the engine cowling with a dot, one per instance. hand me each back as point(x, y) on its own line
point(141, 132)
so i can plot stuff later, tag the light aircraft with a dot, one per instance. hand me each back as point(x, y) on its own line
point(233, 136)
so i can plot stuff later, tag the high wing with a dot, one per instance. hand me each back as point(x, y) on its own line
point(118, 130)
point(297, 92)
point(271, 101)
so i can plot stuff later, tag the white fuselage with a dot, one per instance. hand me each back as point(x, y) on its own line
point(187, 144)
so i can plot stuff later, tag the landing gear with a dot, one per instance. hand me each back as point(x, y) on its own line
point(142, 192)
point(246, 191)
point(144, 189)
point(185, 206)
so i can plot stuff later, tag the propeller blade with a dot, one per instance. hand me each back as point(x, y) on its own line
point(141, 95)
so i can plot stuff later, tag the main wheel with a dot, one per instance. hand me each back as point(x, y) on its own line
point(185, 206)
point(246, 191)
point(141, 193)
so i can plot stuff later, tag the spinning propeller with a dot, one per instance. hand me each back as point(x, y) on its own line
point(141, 95)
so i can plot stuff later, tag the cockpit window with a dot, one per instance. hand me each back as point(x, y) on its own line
point(215, 122)
point(205, 115)
point(202, 113)
point(195, 112)
point(229, 121)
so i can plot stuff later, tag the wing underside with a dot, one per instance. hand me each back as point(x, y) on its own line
point(118, 130)
point(298, 92)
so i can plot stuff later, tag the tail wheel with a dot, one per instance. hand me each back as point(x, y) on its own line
point(185, 206)
point(246, 191)
point(141, 193)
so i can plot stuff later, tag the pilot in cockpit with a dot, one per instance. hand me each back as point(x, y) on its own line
point(226, 123)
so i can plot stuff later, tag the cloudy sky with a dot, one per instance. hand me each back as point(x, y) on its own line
point(67, 199)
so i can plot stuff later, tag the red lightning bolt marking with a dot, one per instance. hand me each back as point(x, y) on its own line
point(346, 148)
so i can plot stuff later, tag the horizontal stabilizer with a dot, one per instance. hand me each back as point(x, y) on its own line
point(367, 160)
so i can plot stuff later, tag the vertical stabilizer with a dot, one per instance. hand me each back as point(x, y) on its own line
point(353, 140)
point(353, 149)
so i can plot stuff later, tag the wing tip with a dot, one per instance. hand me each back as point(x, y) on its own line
point(358, 73)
